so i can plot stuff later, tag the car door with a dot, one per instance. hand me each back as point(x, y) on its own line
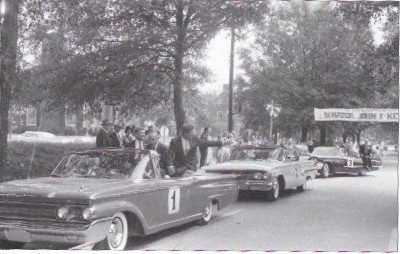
point(288, 169)
point(301, 169)
point(163, 201)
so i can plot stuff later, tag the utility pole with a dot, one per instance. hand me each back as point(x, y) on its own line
point(231, 68)
point(273, 112)
point(271, 121)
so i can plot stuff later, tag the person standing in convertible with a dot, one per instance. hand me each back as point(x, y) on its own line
point(184, 150)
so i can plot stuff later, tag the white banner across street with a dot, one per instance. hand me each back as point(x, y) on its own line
point(357, 115)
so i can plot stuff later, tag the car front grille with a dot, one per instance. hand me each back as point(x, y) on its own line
point(28, 211)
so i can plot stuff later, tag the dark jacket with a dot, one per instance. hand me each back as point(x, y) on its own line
point(115, 142)
point(190, 160)
point(365, 150)
point(203, 152)
point(165, 158)
point(103, 139)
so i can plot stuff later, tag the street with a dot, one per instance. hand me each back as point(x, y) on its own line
point(340, 213)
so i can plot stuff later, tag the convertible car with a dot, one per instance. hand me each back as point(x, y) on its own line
point(336, 161)
point(267, 169)
point(103, 196)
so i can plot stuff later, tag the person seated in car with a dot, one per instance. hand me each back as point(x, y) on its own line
point(152, 143)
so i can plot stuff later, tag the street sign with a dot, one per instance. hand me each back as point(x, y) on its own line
point(273, 110)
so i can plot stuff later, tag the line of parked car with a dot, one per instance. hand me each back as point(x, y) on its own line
point(101, 197)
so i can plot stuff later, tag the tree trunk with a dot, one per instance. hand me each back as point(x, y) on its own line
point(79, 120)
point(304, 131)
point(231, 69)
point(38, 114)
point(178, 63)
point(9, 38)
point(344, 137)
point(358, 134)
point(322, 140)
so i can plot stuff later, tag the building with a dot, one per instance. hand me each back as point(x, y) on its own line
point(217, 112)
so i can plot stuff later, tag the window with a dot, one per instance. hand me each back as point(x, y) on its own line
point(220, 115)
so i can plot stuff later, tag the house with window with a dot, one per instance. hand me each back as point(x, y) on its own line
point(217, 112)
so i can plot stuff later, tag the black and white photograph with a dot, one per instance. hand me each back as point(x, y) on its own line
point(199, 125)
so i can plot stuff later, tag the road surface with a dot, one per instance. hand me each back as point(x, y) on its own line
point(342, 213)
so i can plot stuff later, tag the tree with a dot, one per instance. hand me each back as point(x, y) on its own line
point(308, 57)
point(181, 29)
point(9, 38)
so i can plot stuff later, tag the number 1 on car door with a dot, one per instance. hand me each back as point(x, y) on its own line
point(174, 197)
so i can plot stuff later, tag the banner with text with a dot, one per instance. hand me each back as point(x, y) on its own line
point(357, 115)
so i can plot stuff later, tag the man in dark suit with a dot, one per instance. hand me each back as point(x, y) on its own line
point(138, 143)
point(204, 150)
point(103, 136)
point(365, 151)
point(152, 143)
point(184, 150)
point(116, 140)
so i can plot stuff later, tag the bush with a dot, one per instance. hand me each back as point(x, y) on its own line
point(22, 129)
point(70, 131)
point(37, 160)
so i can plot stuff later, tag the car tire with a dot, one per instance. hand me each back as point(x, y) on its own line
point(362, 172)
point(9, 245)
point(303, 187)
point(273, 194)
point(325, 170)
point(117, 234)
point(207, 214)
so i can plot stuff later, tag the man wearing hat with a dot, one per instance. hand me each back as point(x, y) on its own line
point(365, 151)
point(103, 136)
point(115, 136)
point(184, 151)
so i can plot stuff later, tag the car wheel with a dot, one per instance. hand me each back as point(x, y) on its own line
point(273, 194)
point(117, 234)
point(9, 245)
point(362, 172)
point(207, 213)
point(303, 187)
point(325, 170)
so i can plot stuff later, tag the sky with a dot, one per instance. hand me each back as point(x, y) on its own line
point(217, 55)
point(217, 58)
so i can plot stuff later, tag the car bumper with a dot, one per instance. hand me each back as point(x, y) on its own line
point(30, 232)
point(357, 168)
point(255, 185)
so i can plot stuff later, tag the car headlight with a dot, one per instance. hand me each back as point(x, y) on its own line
point(62, 212)
point(257, 175)
point(266, 176)
point(87, 214)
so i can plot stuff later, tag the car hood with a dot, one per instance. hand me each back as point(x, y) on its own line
point(76, 190)
point(243, 166)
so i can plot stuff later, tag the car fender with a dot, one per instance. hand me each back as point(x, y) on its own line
point(108, 209)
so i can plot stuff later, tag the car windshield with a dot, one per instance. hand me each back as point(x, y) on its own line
point(257, 154)
point(327, 151)
point(109, 164)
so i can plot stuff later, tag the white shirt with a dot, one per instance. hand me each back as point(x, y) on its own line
point(185, 146)
point(139, 144)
